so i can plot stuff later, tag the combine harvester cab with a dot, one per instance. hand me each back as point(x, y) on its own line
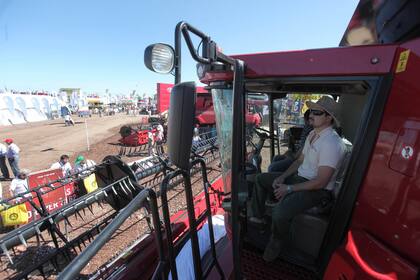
point(367, 230)
point(374, 84)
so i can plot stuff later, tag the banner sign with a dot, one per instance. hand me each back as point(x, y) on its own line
point(53, 200)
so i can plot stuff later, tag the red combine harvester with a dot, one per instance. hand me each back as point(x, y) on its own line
point(204, 109)
point(138, 136)
point(370, 228)
point(134, 137)
point(204, 116)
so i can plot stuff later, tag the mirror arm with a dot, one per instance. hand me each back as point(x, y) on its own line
point(210, 52)
point(192, 49)
point(177, 61)
point(182, 28)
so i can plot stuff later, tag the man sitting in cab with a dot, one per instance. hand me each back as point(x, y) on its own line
point(307, 182)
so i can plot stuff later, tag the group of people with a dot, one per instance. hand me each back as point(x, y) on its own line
point(300, 181)
point(82, 165)
point(9, 152)
point(19, 185)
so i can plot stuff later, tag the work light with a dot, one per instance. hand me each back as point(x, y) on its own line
point(159, 58)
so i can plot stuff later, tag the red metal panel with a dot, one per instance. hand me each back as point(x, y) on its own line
point(364, 257)
point(163, 96)
point(389, 202)
point(404, 157)
point(207, 117)
point(319, 62)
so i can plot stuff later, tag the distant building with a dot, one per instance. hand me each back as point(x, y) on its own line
point(71, 93)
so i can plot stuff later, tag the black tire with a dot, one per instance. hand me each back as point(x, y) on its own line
point(125, 131)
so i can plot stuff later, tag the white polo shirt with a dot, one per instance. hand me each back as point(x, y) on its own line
point(19, 186)
point(326, 150)
point(66, 168)
point(3, 150)
point(159, 129)
point(12, 151)
point(81, 168)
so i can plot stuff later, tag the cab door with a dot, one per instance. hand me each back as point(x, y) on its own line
point(383, 238)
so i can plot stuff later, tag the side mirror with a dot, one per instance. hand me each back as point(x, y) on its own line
point(181, 123)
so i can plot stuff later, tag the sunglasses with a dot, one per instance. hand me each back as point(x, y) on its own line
point(317, 112)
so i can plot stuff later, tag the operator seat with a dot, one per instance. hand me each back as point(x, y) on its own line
point(253, 164)
point(315, 220)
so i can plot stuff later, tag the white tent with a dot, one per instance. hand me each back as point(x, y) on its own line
point(12, 112)
point(21, 108)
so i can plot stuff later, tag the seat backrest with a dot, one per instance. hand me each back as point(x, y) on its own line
point(343, 167)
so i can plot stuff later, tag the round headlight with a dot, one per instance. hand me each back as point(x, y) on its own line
point(201, 70)
point(159, 58)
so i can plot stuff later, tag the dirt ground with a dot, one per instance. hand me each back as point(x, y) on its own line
point(42, 143)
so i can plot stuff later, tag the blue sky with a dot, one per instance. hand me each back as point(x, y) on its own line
point(98, 44)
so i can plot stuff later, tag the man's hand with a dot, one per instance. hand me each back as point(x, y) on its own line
point(280, 191)
point(277, 182)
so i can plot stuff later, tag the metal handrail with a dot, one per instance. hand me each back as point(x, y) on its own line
point(193, 222)
point(74, 268)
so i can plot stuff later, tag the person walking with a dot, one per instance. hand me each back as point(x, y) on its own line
point(12, 155)
point(68, 121)
point(3, 166)
point(159, 139)
point(196, 136)
point(150, 141)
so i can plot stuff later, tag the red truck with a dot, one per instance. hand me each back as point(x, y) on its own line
point(372, 228)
